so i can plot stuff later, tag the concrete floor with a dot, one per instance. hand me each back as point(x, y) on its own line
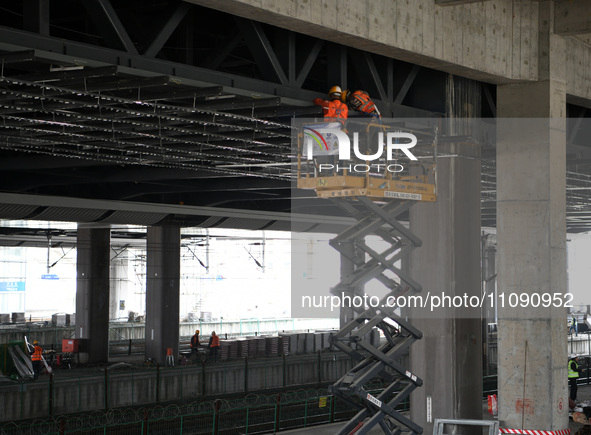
point(326, 429)
point(583, 394)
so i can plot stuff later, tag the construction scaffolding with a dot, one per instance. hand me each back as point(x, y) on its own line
point(377, 200)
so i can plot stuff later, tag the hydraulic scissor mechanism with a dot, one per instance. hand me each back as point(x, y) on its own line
point(374, 173)
point(382, 361)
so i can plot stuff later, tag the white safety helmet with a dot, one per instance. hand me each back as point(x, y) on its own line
point(573, 356)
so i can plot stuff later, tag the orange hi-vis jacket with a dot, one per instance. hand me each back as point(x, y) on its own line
point(333, 110)
point(215, 341)
point(361, 102)
point(37, 354)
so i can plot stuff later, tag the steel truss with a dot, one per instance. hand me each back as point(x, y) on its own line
point(377, 361)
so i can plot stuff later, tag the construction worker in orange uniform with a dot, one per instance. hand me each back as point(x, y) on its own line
point(214, 346)
point(195, 343)
point(334, 109)
point(36, 358)
point(360, 101)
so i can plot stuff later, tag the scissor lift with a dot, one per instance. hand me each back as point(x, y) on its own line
point(376, 201)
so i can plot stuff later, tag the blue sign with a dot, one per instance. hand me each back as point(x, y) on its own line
point(49, 276)
point(12, 286)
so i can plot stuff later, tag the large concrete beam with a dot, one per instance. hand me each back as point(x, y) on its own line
point(455, 2)
point(572, 17)
point(492, 40)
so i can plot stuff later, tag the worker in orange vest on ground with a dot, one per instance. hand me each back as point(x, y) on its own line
point(195, 342)
point(360, 101)
point(36, 358)
point(333, 108)
point(214, 346)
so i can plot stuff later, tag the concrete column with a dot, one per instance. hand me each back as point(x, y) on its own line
point(92, 293)
point(119, 287)
point(162, 291)
point(489, 274)
point(531, 234)
point(449, 356)
point(489, 284)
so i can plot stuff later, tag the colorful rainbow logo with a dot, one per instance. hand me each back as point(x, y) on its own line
point(318, 138)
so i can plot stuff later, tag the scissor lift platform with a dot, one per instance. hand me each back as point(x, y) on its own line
point(375, 188)
point(375, 200)
point(413, 180)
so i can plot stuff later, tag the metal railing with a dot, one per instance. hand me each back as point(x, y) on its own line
point(255, 413)
point(98, 388)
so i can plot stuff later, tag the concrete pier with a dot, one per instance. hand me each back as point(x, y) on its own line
point(162, 292)
point(92, 294)
point(531, 225)
point(448, 358)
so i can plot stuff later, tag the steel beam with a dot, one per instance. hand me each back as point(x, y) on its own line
point(36, 16)
point(367, 71)
point(291, 58)
point(407, 84)
point(490, 100)
point(373, 73)
point(59, 50)
point(309, 62)
point(64, 75)
point(577, 125)
point(108, 23)
point(235, 104)
point(337, 222)
point(337, 65)
point(222, 51)
point(170, 26)
point(262, 51)
point(390, 79)
point(120, 83)
point(17, 56)
point(179, 94)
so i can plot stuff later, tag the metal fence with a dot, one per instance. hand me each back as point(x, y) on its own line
point(250, 414)
point(255, 413)
point(135, 388)
point(96, 388)
point(489, 385)
point(585, 364)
